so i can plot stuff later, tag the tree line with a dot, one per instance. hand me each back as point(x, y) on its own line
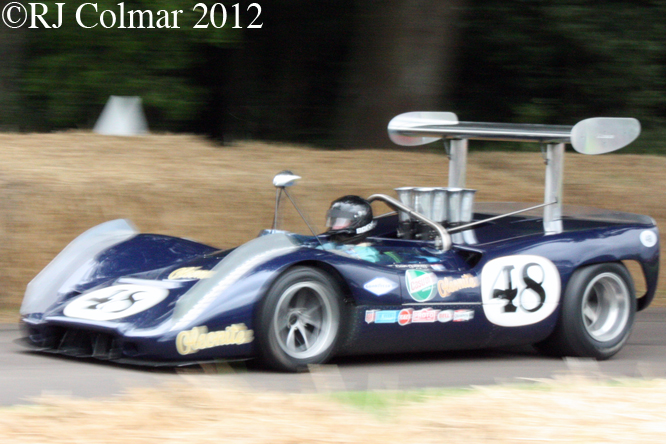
point(333, 72)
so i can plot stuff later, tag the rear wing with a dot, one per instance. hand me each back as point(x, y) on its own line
point(598, 135)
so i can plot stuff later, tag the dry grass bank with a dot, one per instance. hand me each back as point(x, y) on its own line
point(55, 186)
point(569, 411)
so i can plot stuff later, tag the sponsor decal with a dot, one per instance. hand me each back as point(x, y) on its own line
point(199, 338)
point(405, 316)
point(648, 238)
point(380, 286)
point(115, 302)
point(190, 273)
point(463, 315)
point(420, 285)
point(387, 317)
point(408, 316)
point(450, 285)
point(381, 316)
point(519, 290)
point(424, 315)
point(445, 316)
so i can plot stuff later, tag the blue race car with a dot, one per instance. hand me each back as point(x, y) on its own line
point(436, 272)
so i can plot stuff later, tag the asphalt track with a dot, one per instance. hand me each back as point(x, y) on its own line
point(25, 375)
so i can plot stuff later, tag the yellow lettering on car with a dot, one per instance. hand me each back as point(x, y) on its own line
point(448, 285)
point(190, 273)
point(199, 338)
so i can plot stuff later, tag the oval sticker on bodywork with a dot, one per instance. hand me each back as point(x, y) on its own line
point(519, 290)
point(648, 238)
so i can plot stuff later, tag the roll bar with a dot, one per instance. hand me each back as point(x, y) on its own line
point(443, 240)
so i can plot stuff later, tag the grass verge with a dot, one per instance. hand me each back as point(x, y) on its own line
point(564, 410)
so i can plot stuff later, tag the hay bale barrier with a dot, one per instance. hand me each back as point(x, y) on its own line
point(55, 186)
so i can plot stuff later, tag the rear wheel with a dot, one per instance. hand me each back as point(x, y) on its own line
point(299, 320)
point(597, 313)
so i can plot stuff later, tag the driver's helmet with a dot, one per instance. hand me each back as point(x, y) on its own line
point(349, 219)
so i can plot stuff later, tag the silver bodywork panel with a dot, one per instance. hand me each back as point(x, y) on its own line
point(65, 269)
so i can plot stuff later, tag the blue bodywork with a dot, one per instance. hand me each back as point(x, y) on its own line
point(405, 296)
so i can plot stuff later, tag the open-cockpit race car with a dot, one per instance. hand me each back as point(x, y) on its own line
point(437, 272)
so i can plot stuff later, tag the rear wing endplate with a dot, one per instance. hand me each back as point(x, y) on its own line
point(593, 136)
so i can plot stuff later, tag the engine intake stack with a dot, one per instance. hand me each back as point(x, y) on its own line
point(448, 206)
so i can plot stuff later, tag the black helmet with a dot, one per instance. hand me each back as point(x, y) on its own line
point(349, 219)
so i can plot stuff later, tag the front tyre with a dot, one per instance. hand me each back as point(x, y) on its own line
point(597, 314)
point(299, 320)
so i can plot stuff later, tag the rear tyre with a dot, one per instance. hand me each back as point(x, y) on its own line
point(597, 313)
point(299, 320)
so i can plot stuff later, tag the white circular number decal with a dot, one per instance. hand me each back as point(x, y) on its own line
point(648, 238)
point(118, 301)
point(519, 290)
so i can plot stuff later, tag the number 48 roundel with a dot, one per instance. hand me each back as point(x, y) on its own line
point(519, 290)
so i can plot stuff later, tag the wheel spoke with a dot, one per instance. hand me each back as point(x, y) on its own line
point(291, 337)
point(309, 320)
point(304, 334)
point(590, 314)
point(310, 310)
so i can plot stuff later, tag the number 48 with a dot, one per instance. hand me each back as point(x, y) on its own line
point(218, 8)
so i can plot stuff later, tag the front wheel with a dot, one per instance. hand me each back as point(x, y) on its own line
point(597, 313)
point(299, 320)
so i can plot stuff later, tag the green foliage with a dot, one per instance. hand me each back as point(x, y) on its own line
point(560, 62)
point(71, 71)
point(516, 61)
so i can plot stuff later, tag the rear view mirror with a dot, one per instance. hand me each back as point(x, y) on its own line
point(285, 179)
